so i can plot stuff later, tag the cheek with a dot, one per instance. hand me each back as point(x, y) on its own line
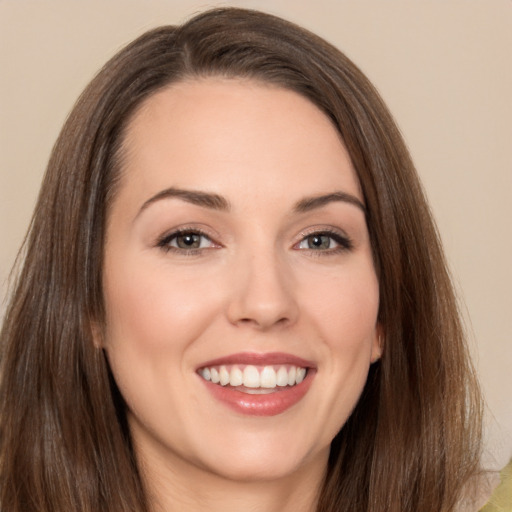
point(344, 314)
point(345, 309)
point(153, 317)
point(152, 309)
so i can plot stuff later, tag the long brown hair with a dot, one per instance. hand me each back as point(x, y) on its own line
point(413, 440)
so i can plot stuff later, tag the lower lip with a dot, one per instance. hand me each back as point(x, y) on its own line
point(270, 404)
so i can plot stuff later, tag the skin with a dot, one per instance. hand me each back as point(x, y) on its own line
point(255, 285)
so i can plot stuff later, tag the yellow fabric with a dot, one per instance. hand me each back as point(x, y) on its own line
point(501, 499)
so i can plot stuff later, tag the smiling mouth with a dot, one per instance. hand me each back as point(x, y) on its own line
point(259, 385)
point(254, 379)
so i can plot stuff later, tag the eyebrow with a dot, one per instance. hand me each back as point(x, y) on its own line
point(204, 199)
point(217, 202)
point(311, 203)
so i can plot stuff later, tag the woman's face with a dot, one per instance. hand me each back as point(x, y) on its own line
point(241, 296)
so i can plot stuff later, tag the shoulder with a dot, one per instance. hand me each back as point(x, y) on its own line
point(501, 497)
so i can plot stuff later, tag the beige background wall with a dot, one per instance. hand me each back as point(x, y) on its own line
point(443, 66)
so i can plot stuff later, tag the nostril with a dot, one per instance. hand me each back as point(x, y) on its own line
point(263, 323)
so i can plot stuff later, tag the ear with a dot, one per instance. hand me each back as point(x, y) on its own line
point(378, 343)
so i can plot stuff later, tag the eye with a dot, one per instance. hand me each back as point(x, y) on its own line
point(186, 240)
point(317, 241)
point(325, 241)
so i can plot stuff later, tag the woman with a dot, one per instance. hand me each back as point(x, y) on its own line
point(233, 294)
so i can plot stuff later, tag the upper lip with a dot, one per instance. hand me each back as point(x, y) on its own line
point(258, 359)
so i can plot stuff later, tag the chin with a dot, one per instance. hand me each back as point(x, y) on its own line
point(261, 462)
point(250, 470)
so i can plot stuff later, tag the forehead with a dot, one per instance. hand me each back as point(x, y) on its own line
point(222, 134)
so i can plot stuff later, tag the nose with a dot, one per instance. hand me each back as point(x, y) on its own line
point(262, 293)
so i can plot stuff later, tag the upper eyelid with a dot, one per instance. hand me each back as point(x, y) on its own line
point(322, 230)
point(214, 237)
point(176, 234)
point(172, 233)
point(344, 241)
point(165, 242)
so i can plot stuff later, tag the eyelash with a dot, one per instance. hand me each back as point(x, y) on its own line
point(165, 242)
point(344, 243)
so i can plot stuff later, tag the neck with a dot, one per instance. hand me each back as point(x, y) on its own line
point(181, 486)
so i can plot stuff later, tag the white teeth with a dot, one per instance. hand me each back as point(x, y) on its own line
point(254, 377)
point(251, 377)
point(268, 377)
point(223, 376)
point(291, 376)
point(215, 375)
point(282, 377)
point(236, 378)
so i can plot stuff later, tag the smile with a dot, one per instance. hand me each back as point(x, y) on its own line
point(253, 379)
point(258, 384)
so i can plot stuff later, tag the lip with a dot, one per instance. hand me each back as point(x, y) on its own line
point(270, 404)
point(258, 359)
